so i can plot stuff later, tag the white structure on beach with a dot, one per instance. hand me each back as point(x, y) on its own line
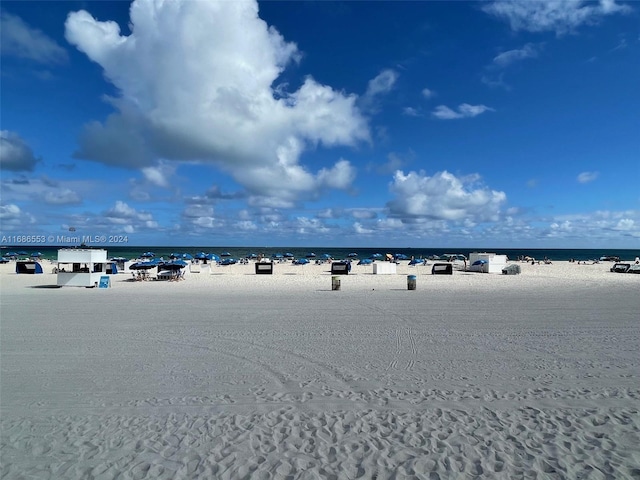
point(81, 267)
point(493, 263)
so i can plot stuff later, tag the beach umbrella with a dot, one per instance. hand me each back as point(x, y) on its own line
point(278, 255)
point(11, 254)
point(213, 256)
point(401, 256)
point(288, 255)
point(174, 265)
point(225, 254)
point(252, 255)
point(36, 254)
point(301, 261)
point(22, 252)
point(228, 261)
point(311, 255)
point(325, 256)
point(186, 256)
point(352, 255)
point(201, 256)
point(143, 265)
point(418, 261)
point(148, 255)
point(377, 256)
point(4, 260)
point(365, 261)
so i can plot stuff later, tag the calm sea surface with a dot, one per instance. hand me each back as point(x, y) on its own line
point(131, 252)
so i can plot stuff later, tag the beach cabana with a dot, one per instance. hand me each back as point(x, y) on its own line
point(489, 262)
point(28, 267)
point(80, 267)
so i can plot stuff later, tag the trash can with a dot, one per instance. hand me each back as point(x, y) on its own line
point(411, 282)
point(335, 283)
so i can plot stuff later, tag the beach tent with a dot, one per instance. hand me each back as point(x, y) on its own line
point(28, 267)
point(112, 268)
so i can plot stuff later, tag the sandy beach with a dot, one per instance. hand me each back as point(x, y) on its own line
point(229, 374)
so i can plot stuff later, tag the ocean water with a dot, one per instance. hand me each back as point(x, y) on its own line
point(131, 252)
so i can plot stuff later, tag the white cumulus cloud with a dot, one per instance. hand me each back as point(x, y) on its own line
point(196, 82)
point(443, 196)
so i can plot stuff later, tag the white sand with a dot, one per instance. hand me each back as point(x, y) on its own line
point(235, 375)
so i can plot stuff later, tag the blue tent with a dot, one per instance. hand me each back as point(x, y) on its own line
point(29, 267)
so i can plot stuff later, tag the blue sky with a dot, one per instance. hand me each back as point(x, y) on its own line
point(409, 124)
